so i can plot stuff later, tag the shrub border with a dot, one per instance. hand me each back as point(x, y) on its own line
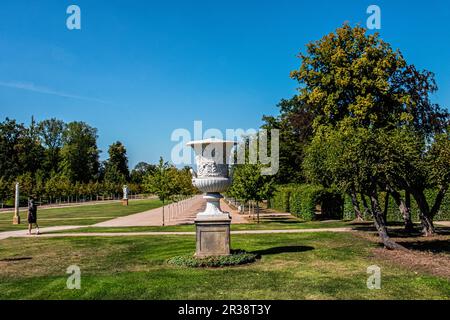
point(237, 257)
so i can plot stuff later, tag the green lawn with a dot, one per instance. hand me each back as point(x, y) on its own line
point(264, 225)
point(292, 266)
point(79, 215)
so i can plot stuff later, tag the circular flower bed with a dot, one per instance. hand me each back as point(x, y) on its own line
point(237, 257)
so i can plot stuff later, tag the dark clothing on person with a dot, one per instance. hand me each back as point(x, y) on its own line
point(32, 212)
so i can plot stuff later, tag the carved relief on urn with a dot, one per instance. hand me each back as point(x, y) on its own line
point(212, 168)
point(207, 167)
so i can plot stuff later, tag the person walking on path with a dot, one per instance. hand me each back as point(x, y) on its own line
point(32, 216)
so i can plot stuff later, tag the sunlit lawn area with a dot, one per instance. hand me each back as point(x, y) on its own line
point(79, 215)
point(264, 225)
point(292, 266)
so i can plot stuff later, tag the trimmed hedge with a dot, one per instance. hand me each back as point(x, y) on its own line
point(280, 199)
point(305, 200)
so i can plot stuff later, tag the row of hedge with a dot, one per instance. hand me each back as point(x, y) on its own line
point(307, 201)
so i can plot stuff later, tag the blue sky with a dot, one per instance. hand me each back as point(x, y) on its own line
point(137, 70)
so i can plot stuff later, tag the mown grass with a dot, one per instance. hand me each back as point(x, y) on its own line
point(264, 225)
point(79, 215)
point(292, 266)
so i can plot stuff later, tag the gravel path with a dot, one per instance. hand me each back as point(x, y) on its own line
point(180, 213)
point(24, 233)
point(443, 223)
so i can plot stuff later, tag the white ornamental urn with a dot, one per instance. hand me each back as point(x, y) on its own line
point(212, 176)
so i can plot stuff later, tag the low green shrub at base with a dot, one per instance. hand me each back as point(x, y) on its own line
point(237, 257)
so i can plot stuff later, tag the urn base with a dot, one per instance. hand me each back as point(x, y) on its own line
point(213, 235)
point(212, 205)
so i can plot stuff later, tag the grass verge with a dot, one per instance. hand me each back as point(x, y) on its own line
point(292, 266)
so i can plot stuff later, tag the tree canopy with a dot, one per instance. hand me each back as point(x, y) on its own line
point(79, 154)
point(363, 122)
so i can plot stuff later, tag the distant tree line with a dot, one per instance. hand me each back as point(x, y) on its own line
point(55, 160)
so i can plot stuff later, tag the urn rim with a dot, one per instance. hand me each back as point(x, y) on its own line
point(211, 141)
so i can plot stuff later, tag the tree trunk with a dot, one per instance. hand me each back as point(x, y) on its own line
point(425, 216)
point(380, 223)
point(438, 201)
point(408, 199)
point(257, 210)
point(356, 207)
point(386, 207)
point(365, 205)
point(163, 213)
point(404, 209)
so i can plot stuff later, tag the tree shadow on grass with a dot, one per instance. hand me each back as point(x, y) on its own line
point(281, 220)
point(402, 233)
point(15, 259)
point(283, 249)
point(396, 230)
point(435, 246)
point(363, 227)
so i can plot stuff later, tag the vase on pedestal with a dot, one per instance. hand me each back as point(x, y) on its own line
point(212, 178)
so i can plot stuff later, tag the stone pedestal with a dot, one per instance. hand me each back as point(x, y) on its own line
point(125, 202)
point(16, 220)
point(213, 235)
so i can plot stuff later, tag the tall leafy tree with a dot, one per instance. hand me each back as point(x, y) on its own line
point(183, 182)
point(30, 150)
point(140, 171)
point(355, 82)
point(79, 154)
point(249, 184)
point(5, 187)
point(113, 175)
point(20, 149)
point(116, 167)
point(11, 136)
point(351, 76)
point(295, 126)
point(351, 160)
point(357, 78)
point(51, 135)
point(415, 166)
point(161, 183)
